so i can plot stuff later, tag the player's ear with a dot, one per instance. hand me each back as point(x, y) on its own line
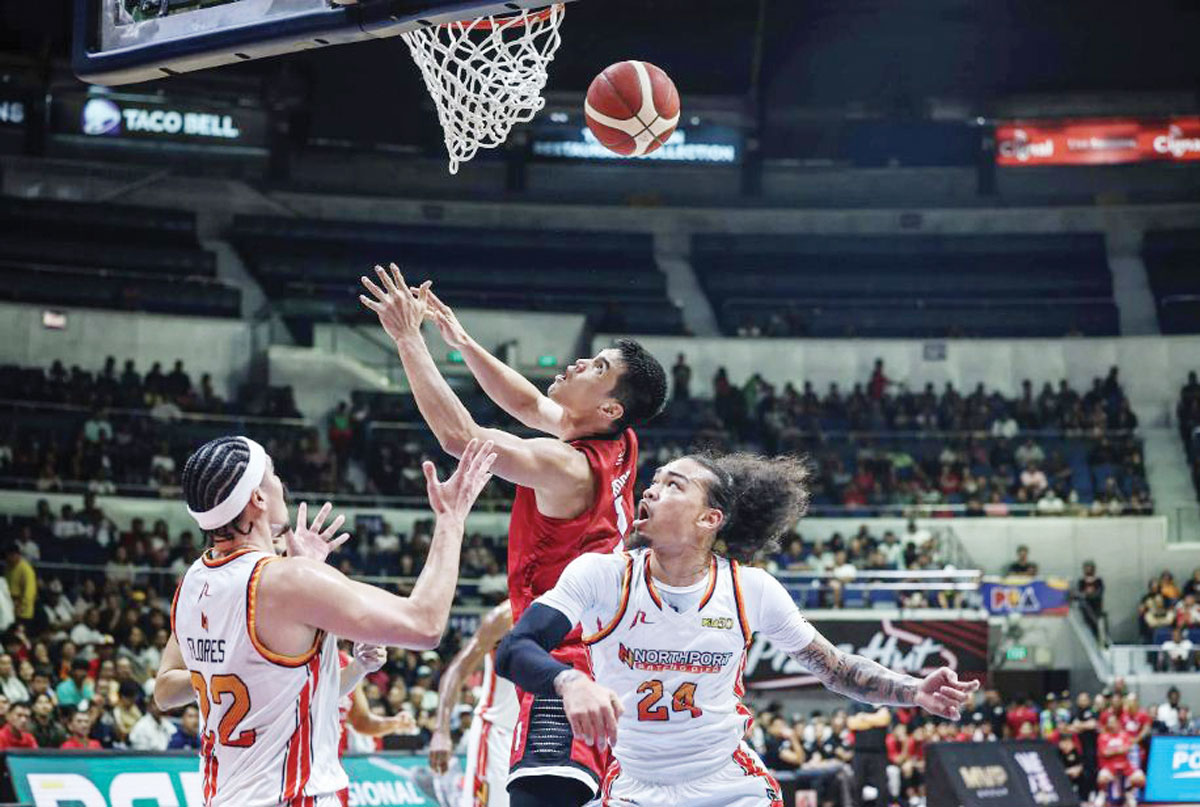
point(612, 409)
point(711, 519)
point(258, 500)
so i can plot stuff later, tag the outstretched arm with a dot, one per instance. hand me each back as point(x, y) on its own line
point(940, 693)
point(315, 594)
point(492, 627)
point(511, 391)
point(547, 465)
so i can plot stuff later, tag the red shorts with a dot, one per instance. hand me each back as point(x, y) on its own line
point(543, 743)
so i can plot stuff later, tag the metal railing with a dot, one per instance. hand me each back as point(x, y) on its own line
point(1145, 659)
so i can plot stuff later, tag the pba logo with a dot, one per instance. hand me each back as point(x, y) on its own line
point(101, 117)
point(1185, 761)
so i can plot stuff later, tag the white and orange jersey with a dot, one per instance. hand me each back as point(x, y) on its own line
point(498, 705)
point(675, 656)
point(269, 733)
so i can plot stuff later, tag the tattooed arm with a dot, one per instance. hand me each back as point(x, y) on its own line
point(864, 680)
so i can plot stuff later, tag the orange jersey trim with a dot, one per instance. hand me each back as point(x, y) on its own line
point(214, 563)
point(747, 634)
point(712, 585)
point(616, 620)
point(252, 630)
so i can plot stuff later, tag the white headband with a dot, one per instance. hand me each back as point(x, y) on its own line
point(232, 505)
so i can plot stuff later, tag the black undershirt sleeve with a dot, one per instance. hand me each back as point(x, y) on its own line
point(523, 656)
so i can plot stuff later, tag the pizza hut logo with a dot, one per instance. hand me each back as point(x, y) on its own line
point(1175, 144)
point(1022, 148)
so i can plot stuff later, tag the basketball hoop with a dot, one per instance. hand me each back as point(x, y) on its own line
point(486, 75)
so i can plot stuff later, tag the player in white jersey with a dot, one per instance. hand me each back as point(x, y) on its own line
point(253, 634)
point(669, 622)
point(489, 742)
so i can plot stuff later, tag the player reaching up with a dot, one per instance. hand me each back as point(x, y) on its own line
point(669, 625)
point(253, 634)
point(574, 495)
point(490, 739)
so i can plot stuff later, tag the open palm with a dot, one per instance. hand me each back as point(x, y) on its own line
point(456, 495)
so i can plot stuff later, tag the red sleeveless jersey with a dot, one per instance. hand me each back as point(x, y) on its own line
point(539, 547)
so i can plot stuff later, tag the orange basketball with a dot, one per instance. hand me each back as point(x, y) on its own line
point(632, 108)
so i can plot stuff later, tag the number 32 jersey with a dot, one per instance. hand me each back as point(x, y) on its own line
point(269, 723)
point(678, 672)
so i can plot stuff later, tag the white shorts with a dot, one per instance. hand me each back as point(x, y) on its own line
point(485, 782)
point(743, 782)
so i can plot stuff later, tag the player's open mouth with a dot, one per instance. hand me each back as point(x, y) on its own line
point(643, 515)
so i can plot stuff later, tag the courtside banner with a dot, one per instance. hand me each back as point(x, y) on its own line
point(1173, 775)
point(1013, 595)
point(1000, 774)
point(1098, 141)
point(120, 779)
point(913, 646)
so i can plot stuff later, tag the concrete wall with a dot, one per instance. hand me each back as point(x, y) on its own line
point(206, 345)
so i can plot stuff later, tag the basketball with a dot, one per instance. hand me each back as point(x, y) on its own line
point(632, 108)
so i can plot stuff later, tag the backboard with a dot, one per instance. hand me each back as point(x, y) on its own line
point(126, 41)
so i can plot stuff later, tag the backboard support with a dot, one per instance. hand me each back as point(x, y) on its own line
point(116, 42)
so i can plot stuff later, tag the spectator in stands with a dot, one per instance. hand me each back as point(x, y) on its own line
point(78, 687)
point(126, 713)
point(681, 378)
point(1187, 612)
point(1192, 586)
point(10, 684)
point(1167, 587)
point(1029, 452)
point(1090, 590)
point(1022, 566)
point(1051, 504)
point(188, 735)
point(177, 385)
point(153, 731)
point(1033, 480)
point(80, 727)
point(15, 734)
point(1167, 714)
point(22, 583)
point(44, 725)
point(97, 428)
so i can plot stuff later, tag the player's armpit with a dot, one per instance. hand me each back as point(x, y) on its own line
point(549, 466)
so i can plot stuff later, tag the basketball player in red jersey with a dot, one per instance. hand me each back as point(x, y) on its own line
point(574, 493)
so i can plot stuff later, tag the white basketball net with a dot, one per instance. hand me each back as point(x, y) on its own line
point(486, 75)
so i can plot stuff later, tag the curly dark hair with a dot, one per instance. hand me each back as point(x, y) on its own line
point(642, 387)
point(762, 498)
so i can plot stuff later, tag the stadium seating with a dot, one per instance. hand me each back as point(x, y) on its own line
point(108, 256)
point(612, 277)
point(1172, 259)
point(914, 286)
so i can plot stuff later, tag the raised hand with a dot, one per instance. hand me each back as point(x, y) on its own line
point(452, 331)
point(370, 657)
point(455, 497)
point(440, 749)
point(943, 694)
point(309, 540)
point(400, 310)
